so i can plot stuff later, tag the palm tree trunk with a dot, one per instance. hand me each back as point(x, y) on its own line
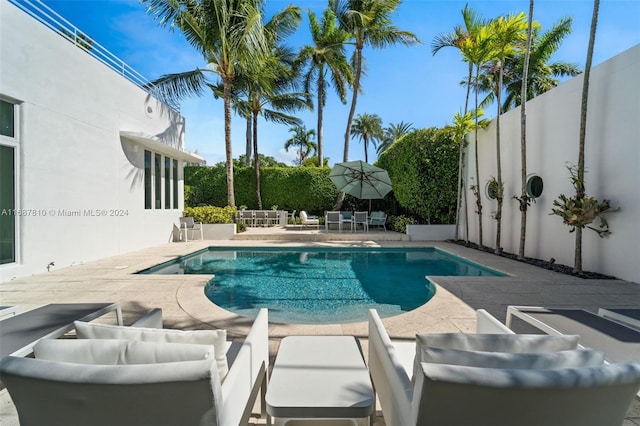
point(499, 194)
point(462, 177)
point(352, 112)
point(321, 100)
point(249, 142)
point(524, 197)
point(231, 199)
point(366, 142)
point(580, 189)
point(354, 100)
point(478, 197)
point(256, 160)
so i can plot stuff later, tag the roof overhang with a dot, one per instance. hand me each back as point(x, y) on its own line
point(155, 143)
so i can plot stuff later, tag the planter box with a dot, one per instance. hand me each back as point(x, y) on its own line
point(430, 232)
point(219, 231)
point(210, 231)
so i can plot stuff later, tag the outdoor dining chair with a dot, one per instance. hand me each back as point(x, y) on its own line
point(332, 218)
point(361, 218)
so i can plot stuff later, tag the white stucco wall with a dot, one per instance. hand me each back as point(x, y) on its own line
point(612, 162)
point(71, 156)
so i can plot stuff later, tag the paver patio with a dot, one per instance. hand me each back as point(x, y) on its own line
point(185, 306)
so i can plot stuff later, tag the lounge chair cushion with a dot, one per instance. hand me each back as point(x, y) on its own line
point(217, 338)
point(513, 343)
point(119, 352)
point(60, 393)
point(561, 359)
point(509, 343)
point(472, 396)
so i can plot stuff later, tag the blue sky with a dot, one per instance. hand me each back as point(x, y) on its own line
point(402, 83)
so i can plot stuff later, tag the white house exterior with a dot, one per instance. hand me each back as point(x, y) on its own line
point(612, 163)
point(91, 164)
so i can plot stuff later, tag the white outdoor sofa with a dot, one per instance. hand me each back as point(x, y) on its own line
point(464, 384)
point(140, 376)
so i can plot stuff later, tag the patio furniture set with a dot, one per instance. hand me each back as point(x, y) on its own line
point(262, 217)
point(342, 219)
point(146, 375)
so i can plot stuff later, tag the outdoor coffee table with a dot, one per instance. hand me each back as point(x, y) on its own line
point(319, 377)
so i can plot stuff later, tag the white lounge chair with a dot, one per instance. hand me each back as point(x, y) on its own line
point(187, 224)
point(474, 396)
point(177, 390)
point(308, 220)
point(21, 332)
point(405, 404)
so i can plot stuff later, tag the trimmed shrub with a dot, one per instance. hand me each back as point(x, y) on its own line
point(423, 167)
point(211, 214)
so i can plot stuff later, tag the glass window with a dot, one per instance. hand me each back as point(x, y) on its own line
point(157, 174)
point(175, 184)
point(492, 189)
point(167, 182)
point(7, 119)
point(7, 205)
point(147, 179)
point(534, 186)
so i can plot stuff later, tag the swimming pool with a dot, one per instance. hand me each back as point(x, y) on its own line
point(320, 285)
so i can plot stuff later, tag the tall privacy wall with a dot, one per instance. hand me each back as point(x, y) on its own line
point(612, 163)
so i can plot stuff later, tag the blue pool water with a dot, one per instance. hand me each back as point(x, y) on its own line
point(320, 285)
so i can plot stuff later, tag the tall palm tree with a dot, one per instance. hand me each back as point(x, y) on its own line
point(369, 23)
point(326, 63)
point(368, 128)
point(462, 124)
point(303, 139)
point(524, 197)
point(580, 189)
point(542, 75)
point(392, 133)
point(472, 24)
point(274, 83)
point(476, 49)
point(507, 35)
point(231, 38)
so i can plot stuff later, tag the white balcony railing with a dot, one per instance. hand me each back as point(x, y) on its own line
point(47, 16)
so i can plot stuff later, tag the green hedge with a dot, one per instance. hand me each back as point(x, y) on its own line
point(288, 188)
point(423, 167)
point(211, 214)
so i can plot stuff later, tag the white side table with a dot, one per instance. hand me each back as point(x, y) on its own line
point(319, 377)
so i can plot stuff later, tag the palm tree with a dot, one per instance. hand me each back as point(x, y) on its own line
point(542, 75)
point(472, 25)
point(476, 49)
point(272, 84)
point(368, 128)
point(231, 38)
point(303, 139)
point(369, 23)
point(325, 58)
point(393, 133)
point(507, 34)
point(524, 197)
point(580, 189)
point(462, 124)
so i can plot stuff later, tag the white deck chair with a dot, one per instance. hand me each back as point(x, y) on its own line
point(307, 220)
point(181, 392)
point(187, 224)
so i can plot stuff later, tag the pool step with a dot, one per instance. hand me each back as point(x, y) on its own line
point(300, 234)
